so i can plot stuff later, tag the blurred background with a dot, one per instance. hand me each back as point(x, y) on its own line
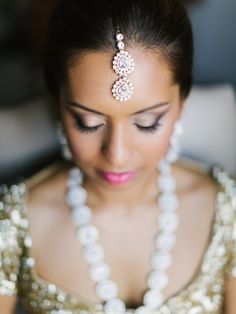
point(28, 140)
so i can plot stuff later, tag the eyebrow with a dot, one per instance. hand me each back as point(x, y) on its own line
point(75, 104)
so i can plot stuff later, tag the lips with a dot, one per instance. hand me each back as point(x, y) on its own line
point(117, 177)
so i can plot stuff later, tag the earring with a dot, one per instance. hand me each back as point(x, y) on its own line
point(174, 149)
point(66, 152)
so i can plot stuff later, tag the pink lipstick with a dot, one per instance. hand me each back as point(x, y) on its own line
point(117, 177)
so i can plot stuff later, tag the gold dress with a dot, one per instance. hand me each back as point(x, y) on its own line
point(203, 294)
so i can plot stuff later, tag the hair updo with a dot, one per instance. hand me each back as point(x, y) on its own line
point(161, 26)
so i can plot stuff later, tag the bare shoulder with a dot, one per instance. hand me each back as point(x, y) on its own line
point(45, 199)
point(193, 176)
point(197, 189)
point(47, 182)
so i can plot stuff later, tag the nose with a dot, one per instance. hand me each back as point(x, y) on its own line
point(116, 148)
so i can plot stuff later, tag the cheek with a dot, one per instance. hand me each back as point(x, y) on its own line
point(154, 146)
point(154, 150)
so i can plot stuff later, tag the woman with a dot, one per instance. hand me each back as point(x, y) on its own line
point(123, 227)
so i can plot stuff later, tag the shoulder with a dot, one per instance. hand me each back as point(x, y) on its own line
point(199, 173)
point(45, 182)
point(46, 202)
point(47, 176)
point(195, 178)
point(38, 191)
point(206, 187)
point(45, 188)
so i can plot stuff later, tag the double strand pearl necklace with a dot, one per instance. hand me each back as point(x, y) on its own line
point(93, 254)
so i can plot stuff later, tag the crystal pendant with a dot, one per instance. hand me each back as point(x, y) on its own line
point(122, 90)
point(123, 63)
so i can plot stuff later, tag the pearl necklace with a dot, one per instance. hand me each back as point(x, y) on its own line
point(93, 254)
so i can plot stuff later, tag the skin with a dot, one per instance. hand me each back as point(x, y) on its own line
point(125, 215)
point(119, 145)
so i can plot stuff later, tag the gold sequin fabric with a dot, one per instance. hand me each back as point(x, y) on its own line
point(203, 294)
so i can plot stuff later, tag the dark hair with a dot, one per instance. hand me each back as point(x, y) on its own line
point(158, 25)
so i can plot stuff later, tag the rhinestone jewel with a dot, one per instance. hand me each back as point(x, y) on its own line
point(123, 63)
point(121, 45)
point(122, 90)
point(119, 37)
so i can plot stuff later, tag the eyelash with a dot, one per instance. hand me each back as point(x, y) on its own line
point(148, 129)
point(80, 126)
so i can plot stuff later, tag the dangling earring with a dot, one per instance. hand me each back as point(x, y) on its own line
point(174, 148)
point(66, 152)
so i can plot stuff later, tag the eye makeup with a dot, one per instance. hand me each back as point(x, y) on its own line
point(80, 124)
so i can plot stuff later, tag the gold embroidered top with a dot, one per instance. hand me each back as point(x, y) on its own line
point(203, 294)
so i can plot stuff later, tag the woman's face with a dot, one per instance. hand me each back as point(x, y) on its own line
point(106, 136)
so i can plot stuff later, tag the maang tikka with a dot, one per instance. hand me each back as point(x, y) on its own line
point(123, 64)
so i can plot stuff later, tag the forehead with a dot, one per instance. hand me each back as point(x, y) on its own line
point(90, 78)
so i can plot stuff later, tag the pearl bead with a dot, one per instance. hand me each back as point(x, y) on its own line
point(114, 306)
point(106, 290)
point(99, 272)
point(87, 234)
point(93, 253)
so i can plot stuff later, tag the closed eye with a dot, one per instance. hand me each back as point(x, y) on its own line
point(79, 124)
point(151, 128)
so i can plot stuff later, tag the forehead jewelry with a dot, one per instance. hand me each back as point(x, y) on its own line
point(123, 64)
